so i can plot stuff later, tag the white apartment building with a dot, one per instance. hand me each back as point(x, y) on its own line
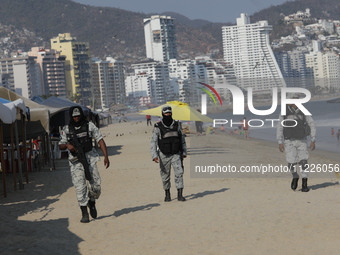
point(325, 68)
point(183, 73)
point(153, 79)
point(293, 67)
point(327, 25)
point(23, 75)
point(4, 78)
point(246, 46)
point(216, 73)
point(160, 40)
point(331, 69)
point(108, 83)
point(220, 73)
point(52, 71)
point(138, 89)
point(6, 71)
point(298, 16)
point(117, 69)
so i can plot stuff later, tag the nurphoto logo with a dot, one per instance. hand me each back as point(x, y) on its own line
point(238, 104)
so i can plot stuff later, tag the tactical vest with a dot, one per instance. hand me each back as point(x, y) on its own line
point(297, 132)
point(83, 136)
point(170, 141)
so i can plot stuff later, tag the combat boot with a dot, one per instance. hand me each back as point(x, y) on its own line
point(167, 196)
point(180, 195)
point(85, 215)
point(295, 180)
point(294, 183)
point(93, 210)
point(304, 185)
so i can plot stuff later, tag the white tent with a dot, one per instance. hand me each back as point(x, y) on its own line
point(37, 112)
point(9, 112)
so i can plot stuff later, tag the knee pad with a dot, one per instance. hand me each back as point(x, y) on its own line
point(304, 164)
point(291, 167)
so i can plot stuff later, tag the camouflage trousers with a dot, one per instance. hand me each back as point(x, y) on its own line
point(165, 162)
point(296, 150)
point(86, 190)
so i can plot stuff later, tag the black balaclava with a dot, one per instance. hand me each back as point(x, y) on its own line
point(167, 120)
point(82, 116)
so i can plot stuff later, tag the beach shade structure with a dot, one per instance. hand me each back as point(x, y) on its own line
point(8, 115)
point(180, 111)
point(59, 110)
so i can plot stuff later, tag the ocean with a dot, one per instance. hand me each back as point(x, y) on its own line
point(325, 115)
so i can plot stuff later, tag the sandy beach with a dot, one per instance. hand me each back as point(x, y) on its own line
point(248, 214)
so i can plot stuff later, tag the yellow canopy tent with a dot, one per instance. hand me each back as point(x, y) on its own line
point(180, 111)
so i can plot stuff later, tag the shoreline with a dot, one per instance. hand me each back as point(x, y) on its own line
point(219, 214)
point(331, 155)
point(228, 108)
point(141, 118)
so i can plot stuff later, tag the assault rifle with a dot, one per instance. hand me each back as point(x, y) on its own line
point(80, 155)
point(181, 150)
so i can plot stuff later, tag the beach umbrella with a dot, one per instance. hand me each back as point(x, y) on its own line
point(180, 111)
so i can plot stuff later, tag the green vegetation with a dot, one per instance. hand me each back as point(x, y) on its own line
point(120, 34)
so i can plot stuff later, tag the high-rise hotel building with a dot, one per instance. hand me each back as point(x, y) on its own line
point(108, 83)
point(293, 67)
point(77, 65)
point(246, 46)
point(52, 71)
point(160, 40)
point(21, 74)
point(151, 79)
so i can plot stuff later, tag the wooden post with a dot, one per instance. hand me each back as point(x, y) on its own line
point(14, 166)
point(23, 132)
point(21, 183)
point(49, 150)
point(3, 165)
point(44, 148)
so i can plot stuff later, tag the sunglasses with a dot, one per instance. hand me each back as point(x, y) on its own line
point(167, 108)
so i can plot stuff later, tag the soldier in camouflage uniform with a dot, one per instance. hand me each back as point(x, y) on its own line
point(86, 190)
point(168, 148)
point(293, 140)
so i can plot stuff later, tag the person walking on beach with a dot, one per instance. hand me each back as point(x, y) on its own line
point(338, 135)
point(148, 120)
point(293, 140)
point(245, 128)
point(199, 126)
point(77, 137)
point(168, 148)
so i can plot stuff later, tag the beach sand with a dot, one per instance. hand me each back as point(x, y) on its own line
point(251, 214)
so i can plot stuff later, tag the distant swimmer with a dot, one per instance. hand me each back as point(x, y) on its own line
point(245, 128)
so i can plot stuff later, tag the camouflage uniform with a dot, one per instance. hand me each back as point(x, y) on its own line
point(296, 149)
point(85, 190)
point(165, 161)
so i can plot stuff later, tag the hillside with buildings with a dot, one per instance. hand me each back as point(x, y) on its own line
point(118, 33)
point(104, 57)
point(110, 31)
point(321, 9)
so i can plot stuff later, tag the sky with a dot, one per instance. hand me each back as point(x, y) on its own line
point(211, 10)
